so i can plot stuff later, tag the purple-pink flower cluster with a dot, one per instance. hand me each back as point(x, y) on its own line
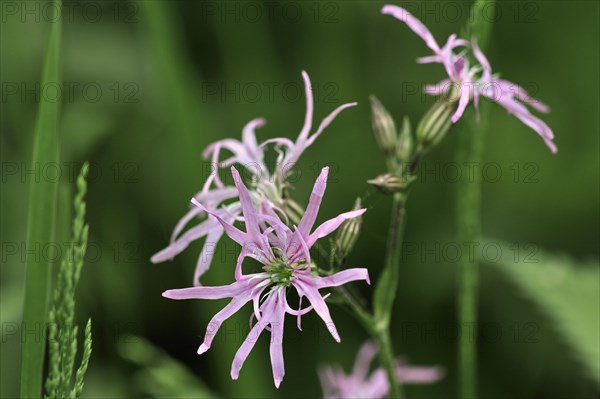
point(469, 83)
point(267, 186)
point(269, 237)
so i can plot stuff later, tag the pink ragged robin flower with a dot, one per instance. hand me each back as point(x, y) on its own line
point(285, 256)
point(470, 83)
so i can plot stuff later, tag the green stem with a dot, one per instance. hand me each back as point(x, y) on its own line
point(356, 307)
point(385, 292)
point(387, 360)
point(378, 325)
point(393, 252)
point(387, 286)
point(468, 203)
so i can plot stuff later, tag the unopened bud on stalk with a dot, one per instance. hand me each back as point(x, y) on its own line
point(348, 232)
point(387, 183)
point(405, 145)
point(435, 123)
point(384, 127)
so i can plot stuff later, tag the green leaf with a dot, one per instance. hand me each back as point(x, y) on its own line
point(564, 289)
point(41, 220)
point(161, 375)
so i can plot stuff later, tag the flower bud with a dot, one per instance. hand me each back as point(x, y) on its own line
point(348, 233)
point(384, 127)
point(405, 145)
point(387, 183)
point(435, 124)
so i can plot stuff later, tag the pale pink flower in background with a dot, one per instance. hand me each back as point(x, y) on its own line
point(285, 256)
point(293, 150)
point(472, 82)
point(247, 152)
point(266, 186)
point(361, 383)
point(444, 55)
point(213, 198)
point(250, 154)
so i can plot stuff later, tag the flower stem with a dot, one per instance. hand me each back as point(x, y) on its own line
point(468, 203)
point(385, 292)
point(357, 309)
point(378, 325)
point(386, 358)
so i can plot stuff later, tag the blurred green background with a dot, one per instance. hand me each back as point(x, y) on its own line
point(148, 84)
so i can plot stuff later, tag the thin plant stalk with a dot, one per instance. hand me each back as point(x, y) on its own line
point(387, 295)
point(468, 206)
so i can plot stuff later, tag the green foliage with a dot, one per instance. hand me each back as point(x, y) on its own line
point(41, 220)
point(566, 291)
point(62, 335)
point(160, 374)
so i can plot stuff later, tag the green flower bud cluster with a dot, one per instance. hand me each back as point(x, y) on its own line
point(397, 146)
point(403, 149)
